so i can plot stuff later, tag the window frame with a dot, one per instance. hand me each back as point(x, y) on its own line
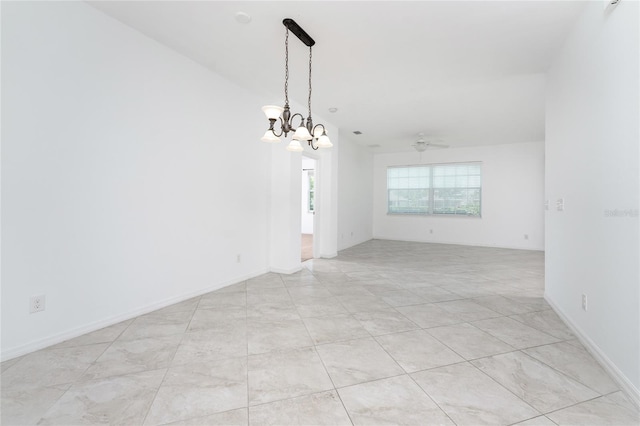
point(431, 190)
point(311, 191)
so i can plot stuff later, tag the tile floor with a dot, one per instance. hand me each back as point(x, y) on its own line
point(386, 333)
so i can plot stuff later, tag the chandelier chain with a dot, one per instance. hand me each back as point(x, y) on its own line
point(310, 49)
point(286, 68)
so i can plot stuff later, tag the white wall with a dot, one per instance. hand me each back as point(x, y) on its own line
point(131, 176)
point(355, 221)
point(592, 140)
point(286, 190)
point(308, 165)
point(512, 199)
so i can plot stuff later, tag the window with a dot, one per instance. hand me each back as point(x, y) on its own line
point(312, 192)
point(435, 189)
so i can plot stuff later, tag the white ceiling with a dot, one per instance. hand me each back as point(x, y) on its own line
point(463, 72)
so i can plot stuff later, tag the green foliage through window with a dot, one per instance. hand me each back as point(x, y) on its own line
point(312, 192)
point(436, 189)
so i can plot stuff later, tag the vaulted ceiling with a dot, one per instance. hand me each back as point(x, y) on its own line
point(465, 73)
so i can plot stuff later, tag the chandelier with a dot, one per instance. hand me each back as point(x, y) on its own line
point(316, 136)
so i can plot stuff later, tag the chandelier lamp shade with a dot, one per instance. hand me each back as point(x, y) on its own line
point(315, 136)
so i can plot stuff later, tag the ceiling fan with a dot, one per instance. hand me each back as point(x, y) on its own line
point(422, 145)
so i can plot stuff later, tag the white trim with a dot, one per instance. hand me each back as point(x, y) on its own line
point(329, 255)
point(97, 325)
point(618, 376)
point(455, 243)
point(287, 271)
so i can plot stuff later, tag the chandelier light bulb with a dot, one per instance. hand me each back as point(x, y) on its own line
point(318, 131)
point(294, 146)
point(302, 134)
point(270, 137)
point(324, 142)
point(272, 111)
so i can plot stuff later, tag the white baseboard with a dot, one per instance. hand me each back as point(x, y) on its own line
point(618, 376)
point(106, 322)
point(287, 271)
point(329, 255)
point(458, 243)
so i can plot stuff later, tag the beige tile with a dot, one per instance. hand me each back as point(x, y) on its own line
point(470, 397)
point(223, 301)
point(212, 319)
point(334, 329)
point(211, 345)
point(502, 305)
point(233, 288)
point(469, 341)
point(319, 307)
point(104, 335)
point(6, 364)
point(362, 303)
point(188, 305)
point(331, 277)
point(417, 350)
point(349, 290)
point(269, 335)
point(300, 282)
point(238, 417)
point(535, 303)
point(392, 401)
point(435, 294)
point(154, 325)
point(576, 363)
point(546, 321)
point(538, 384)
point(209, 384)
point(468, 310)
point(429, 315)
point(623, 399)
point(268, 295)
point(514, 333)
point(384, 322)
point(113, 400)
point(131, 356)
point(284, 310)
point(309, 292)
point(26, 407)
point(379, 288)
point(200, 389)
point(322, 408)
point(270, 280)
point(402, 298)
point(357, 361)
point(599, 411)
point(537, 421)
point(51, 367)
point(286, 374)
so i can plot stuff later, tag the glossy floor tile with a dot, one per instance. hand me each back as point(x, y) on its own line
point(386, 333)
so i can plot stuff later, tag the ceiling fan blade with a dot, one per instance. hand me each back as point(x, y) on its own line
point(437, 145)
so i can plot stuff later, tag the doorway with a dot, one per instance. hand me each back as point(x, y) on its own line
point(307, 208)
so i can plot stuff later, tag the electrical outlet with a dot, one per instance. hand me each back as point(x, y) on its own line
point(238, 258)
point(584, 302)
point(37, 303)
point(526, 236)
point(431, 231)
point(560, 204)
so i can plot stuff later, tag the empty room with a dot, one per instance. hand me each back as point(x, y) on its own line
point(320, 212)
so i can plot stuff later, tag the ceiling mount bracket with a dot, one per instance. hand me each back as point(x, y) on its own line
point(298, 31)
